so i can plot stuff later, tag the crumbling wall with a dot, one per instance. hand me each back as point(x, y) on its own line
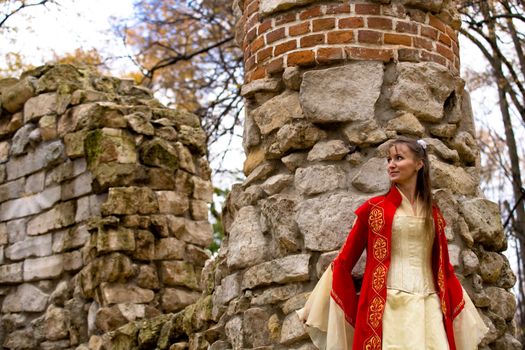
point(104, 199)
point(328, 84)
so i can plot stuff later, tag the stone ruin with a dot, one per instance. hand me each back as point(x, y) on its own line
point(108, 251)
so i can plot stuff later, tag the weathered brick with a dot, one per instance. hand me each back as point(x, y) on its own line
point(437, 23)
point(365, 53)
point(367, 9)
point(398, 39)
point(340, 37)
point(285, 47)
point(422, 43)
point(285, 18)
point(251, 8)
point(445, 51)
point(312, 40)
point(251, 34)
point(43, 268)
point(310, 13)
point(409, 55)
point(337, 8)
point(301, 58)
point(406, 27)
point(258, 73)
point(379, 23)
point(329, 54)
point(323, 24)
point(275, 66)
point(427, 56)
point(257, 44)
point(445, 39)
point(264, 54)
point(370, 37)
point(351, 22)
point(429, 32)
point(298, 29)
point(275, 35)
point(264, 26)
point(249, 63)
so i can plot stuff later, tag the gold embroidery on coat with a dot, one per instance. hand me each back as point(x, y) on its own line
point(380, 248)
point(375, 312)
point(378, 278)
point(376, 219)
point(373, 343)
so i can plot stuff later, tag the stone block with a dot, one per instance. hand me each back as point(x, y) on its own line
point(5, 148)
point(364, 133)
point(342, 94)
point(79, 186)
point(171, 202)
point(108, 319)
point(62, 215)
point(202, 189)
point(298, 135)
point(293, 268)
point(194, 138)
point(29, 205)
point(293, 329)
point(502, 303)
point(438, 148)
point(185, 158)
point(15, 95)
point(21, 139)
point(322, 222)
point(178, 273)
point(39, 106)
point(169, 249)
point(279, 212)
point(48, 127)
point(43, 268)
point(92, 116)
point(45, 154)
point(117, 293)
point(277, 111)
point(109, 145)
point(3, 233)
point(12, 189)
point(89, 206)
point(268, 7)
point(277, 294)
point(138, 121)
point(175, 299)
point(147, 277)
point(115, 239)
point(261, 85)
point(276, 183)
point(26, 298)
point(16, 230)
point(456, 179)
point(32, 246)
point(319, 178)
point(196, 232)
point(234, 332)
point(65, 171)
point(379, 182)
point(56, 323)
point(35, 182)
point(328, 150)
point(229, 289)
point(130, 200)
point(247, 244)
point(74, 143)
point(11, 273)
point(144, 245)
point(159, 153)
point(199, 210)
point(9, 125)
point(73, 261)
point(422, 89)
point(255, 327)
point(406, 123)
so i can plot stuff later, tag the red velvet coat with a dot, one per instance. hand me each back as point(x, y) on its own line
point(373, 230)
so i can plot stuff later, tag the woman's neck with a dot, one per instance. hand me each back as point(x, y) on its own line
point(409, 190)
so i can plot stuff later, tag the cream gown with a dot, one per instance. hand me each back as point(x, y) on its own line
point(412, 318)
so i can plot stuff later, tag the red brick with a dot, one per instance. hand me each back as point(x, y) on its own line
point(285, 47)
point(452, 34)
point(251, 35)
point(301, 58)
point(410, 55)
point(335, 9)
point(406, 27)
point(370, 37)
point(351, 22)
point(445, 51)
point(264, 26)
point(457, 64)
point(249, 63)
point(437, 23)
point(252, 21)
point(329, 54)
point(312, 40)
point(367, 9)
point(275, 66)
point(310, 13)
point(299, 29)
point(259, 73)
point(340, 37)
point(445, 39)
point(251, 8)
point(429, 32)
point(379, 23)
point(427, 56)
point(248, 3)
point(257, 44)
point(323, 24)
point(455, 48)
point(264, 54)
point(397, 39)
point(422, 43)
point(365, 53)
point(275, 35)
point(286, 18)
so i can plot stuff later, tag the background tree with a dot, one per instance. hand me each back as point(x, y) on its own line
point(493, 27)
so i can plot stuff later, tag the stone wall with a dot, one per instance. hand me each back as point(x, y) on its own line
point(103, 208)
point(316, 129)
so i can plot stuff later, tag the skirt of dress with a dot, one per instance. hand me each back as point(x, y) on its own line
point(409, 321)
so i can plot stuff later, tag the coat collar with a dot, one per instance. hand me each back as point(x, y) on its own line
point(393, 196)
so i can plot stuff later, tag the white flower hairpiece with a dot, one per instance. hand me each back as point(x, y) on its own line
point(422, 143)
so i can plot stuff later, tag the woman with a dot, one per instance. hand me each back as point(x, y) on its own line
point(410, 298)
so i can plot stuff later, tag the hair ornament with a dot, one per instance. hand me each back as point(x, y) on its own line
point(422, 143)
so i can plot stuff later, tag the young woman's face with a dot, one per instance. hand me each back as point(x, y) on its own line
point(402, 166)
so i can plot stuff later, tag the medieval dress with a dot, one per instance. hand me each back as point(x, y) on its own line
point(410, 297)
